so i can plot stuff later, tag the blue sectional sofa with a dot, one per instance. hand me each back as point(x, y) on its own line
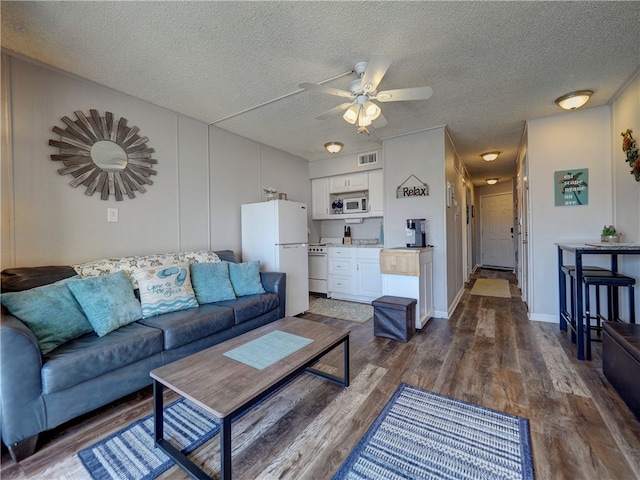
point(41, 391)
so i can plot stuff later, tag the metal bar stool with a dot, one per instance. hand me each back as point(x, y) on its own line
point(613, 281)
point(569, 314)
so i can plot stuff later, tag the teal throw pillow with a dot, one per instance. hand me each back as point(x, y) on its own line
point(51, 312)
point(211, 282)
point(245, 278)
point(165, 288)
point(107, 300)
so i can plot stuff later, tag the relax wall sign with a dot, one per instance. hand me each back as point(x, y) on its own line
point(571, 187)
point(412, 187)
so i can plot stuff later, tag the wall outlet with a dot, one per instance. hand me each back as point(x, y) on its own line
point(112, 214)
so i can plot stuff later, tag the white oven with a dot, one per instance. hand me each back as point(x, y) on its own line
point(318, 268)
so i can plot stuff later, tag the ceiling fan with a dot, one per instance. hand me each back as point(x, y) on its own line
point(360, 110)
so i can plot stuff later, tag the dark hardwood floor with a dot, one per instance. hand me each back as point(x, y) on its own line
point(488, 353)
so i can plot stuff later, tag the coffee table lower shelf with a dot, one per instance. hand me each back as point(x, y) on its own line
point(225, 422)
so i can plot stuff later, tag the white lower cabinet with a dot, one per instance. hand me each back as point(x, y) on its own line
point(408, 272)
point(354, 274)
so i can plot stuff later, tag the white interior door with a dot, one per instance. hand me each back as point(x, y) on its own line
point(497, 230)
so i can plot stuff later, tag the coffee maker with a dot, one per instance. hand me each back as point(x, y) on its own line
point(415, 232)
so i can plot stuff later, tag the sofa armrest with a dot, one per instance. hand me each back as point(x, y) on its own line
point(276, 282)
point(23, 412)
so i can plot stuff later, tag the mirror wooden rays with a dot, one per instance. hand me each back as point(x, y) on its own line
point(105, 156)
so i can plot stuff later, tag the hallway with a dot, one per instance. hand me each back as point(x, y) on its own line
point(580, 428)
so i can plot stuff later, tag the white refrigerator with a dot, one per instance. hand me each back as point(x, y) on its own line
point(275, 233)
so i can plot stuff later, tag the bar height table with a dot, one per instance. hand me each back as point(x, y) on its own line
point(579, 250)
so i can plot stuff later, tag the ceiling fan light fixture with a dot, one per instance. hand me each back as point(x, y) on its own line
point(574, 100)
point(351, 115)
point(492, 181)
point(363, 119)
point(489, 156)
point(372, 110)
point(333, 147)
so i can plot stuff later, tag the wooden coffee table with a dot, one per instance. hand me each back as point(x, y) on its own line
point(225, 387)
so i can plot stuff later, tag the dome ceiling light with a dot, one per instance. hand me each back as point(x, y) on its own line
point(492, 181)
point(489, 156)
point(333, 147)
point(574, 100)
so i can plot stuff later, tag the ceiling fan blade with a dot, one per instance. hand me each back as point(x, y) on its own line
point(416, 93)
point(376, 68)
point(323, 89)
point(334, 111)
point(380, 121)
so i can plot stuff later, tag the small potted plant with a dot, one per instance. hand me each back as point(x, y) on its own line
point(270, 192)
point(609, 234)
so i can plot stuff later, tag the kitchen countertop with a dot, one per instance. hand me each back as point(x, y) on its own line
point(405, 249)
point(370, 245)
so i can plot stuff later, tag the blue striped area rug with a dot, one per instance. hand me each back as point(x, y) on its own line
point(129, 454)
point(423, 435)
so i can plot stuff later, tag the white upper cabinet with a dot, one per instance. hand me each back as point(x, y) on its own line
point(353, 182)
point(376, 193)
point(327, 190)
point(320, 199)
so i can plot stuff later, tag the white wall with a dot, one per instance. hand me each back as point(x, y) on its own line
point(204, 175)
point(626, 191)
point(572, 140)
point(342, 164)
point(421, 154)
point(367, 230)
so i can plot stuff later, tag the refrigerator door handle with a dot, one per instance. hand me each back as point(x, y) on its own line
point(293, 245)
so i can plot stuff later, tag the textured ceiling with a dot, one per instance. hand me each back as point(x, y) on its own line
point(492, 65)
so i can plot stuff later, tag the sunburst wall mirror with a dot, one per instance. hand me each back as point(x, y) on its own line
point(104, 155)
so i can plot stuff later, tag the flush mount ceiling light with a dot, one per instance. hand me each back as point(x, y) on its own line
point(492, 181)
point(489, 156)
point(333, 147)
point(574, 100)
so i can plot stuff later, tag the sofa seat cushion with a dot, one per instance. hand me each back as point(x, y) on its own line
point(89, 356)
point(252, 306)
point(186, 326)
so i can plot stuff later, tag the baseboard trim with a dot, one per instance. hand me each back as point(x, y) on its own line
point(454, 304)
point(541, 317)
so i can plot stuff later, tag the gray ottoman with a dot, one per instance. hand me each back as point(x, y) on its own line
point(394, 317)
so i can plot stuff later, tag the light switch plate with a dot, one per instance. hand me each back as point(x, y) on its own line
point(112, 214)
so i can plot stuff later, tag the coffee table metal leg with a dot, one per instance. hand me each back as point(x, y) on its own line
point(158, 426)
point(225, 449)
point(346, 362)
point(158, 420)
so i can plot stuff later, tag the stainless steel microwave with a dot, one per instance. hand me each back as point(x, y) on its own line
point(354, 205)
